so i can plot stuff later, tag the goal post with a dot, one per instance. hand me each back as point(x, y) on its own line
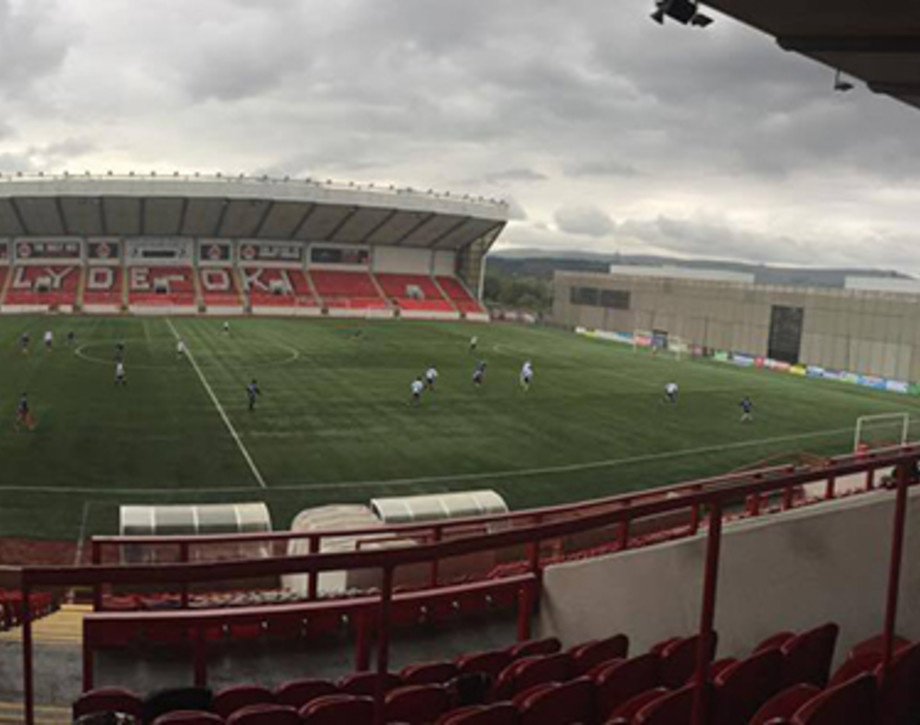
point(881, 430)
point(659, 342)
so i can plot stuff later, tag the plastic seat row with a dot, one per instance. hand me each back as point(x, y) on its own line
point(41, 604)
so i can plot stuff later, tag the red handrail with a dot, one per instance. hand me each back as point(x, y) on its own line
point(694, 495)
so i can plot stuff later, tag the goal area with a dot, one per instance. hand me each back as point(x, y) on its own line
point(659, 342)
point(881, 431)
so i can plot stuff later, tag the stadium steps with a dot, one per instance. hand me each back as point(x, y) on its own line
point(379, 288)
point(81, 286)
point(444, 294)
point(63, 627)
point(199, 294)
point(240, 290)
point(6, 285)
point(11, 713)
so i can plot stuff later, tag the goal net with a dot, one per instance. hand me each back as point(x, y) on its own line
point(881, 431)
point(658, 342)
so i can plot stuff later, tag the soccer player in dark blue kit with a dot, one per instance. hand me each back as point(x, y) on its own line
point(252, 391)
point(747, 410)
point(23, 414)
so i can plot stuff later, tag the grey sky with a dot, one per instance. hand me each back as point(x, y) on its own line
point(605, 131)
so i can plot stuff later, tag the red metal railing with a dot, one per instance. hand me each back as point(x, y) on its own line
point(544, 524)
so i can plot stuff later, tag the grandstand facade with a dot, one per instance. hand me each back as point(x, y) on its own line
point(216, 245)
point(868, 327)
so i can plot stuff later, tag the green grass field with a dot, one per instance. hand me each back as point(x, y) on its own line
point(334, 422)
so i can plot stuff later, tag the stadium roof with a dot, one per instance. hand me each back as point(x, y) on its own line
point(877, 41)
point(242, 208)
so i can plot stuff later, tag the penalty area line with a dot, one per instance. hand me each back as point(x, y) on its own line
point(220, 409)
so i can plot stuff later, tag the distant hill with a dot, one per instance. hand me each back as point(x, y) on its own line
point(541, 264)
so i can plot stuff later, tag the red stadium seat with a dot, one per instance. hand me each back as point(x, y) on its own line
point(189, 717)
point(852, 703)
point(365, 683)
point(675, 708)
point(774, 641)
point(491, 662)
point(429, 673)
point(107, 699)
point(743, 687)
point(338, 710)
point(783, 705)
point(229, 700)
point(678, 660)
point(587, 656)
point(267, 714)
point(523, 674)
point(457, 293)
point(899, 694)
point(625, 713)
point(548, 646)
point(346, 289)
point(413, 292)
point(298, 693)
point(623, 681)
point(854, 666)
point(416, 704)
point(560, 704)
point(808, 656)
point(876, 644)
point(501, 713)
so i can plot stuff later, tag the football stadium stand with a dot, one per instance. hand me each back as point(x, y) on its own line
point(161, 287)
point(819, 640)
point(237, 246)
point(354, 290)
point(43, 287)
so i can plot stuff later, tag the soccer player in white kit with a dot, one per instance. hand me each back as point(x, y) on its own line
point(526, 375)
point(49, 339)
point(431, 377)
point(180, 348)
point(120, 373)
point(670, 393)
point(417, 387)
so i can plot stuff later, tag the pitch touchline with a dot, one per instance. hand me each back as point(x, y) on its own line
point(220, 409)
point(522, 473)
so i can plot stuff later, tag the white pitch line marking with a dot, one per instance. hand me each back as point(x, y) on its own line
point(519, 473)
point(220, 408)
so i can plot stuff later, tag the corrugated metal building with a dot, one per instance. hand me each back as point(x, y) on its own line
point(870, 327)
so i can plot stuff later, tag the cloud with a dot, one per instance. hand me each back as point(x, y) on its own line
point(600, 168)
point(586, 220)
point(511, 175)
point(581, 112)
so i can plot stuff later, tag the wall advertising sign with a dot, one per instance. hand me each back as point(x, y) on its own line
point(270, 252)
point(41, 249)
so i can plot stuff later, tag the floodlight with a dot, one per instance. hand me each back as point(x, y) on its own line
point(842, 85)
point(684, 12)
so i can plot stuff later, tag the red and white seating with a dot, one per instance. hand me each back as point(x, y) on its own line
point(459, 295)
point(219, 289)
point(411, 292)
point(104, 289)
point(274, 287)
point(159, 287)
point(43, 285)
point(350, 290)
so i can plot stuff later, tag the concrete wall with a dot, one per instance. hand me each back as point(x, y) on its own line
point(867, 332)
point(401, 260)
point(789, 572)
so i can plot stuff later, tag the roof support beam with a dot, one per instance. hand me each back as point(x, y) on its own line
point(60, 212)
point(183, 209)
point(225, 204)
point(450, 230)
point(338, 227)
point(263, 218)
point(18, 213)
point(900, 44)
point(895, 89)
point(415, 227)
point(303, 220)
point(377, 226)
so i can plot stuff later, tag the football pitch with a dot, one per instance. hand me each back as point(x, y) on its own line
point(334, 422)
